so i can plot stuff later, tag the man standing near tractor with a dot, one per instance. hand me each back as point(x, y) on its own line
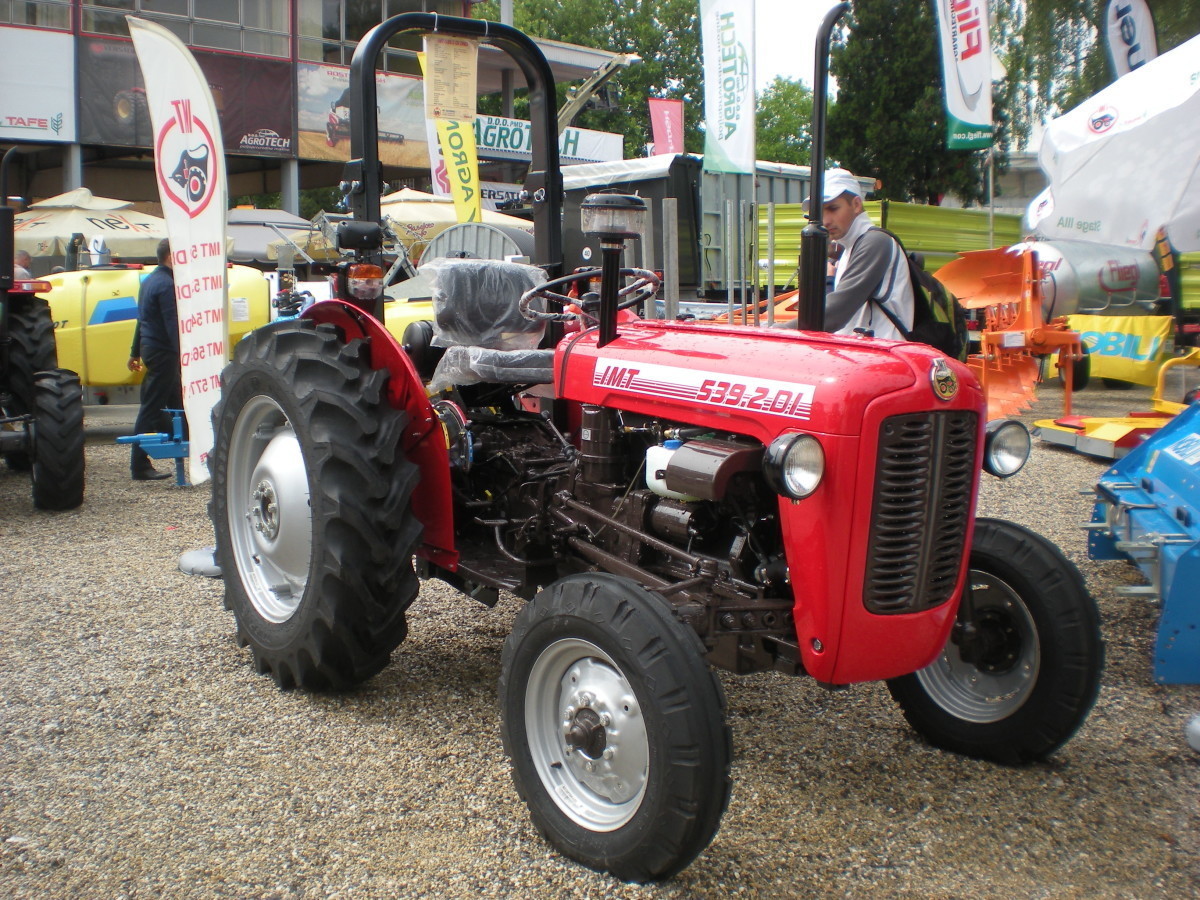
point(871, 266)
point(156, 348)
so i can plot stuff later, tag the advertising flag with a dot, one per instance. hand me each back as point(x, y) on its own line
point(966, 72)
point(189, 165)
point(1129, 33)
point(450, 73)
point(666, 125)
point(727, 37)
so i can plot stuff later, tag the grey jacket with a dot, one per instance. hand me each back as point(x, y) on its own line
point(871, 265)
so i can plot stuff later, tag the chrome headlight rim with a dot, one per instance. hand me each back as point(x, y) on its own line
point(1006, 447)
point(794, 465)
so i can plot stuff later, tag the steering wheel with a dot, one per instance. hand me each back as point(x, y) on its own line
point(644, 285)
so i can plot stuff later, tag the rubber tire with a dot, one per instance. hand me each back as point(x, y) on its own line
point(1081, 372)
point(1069, 651)
point(1116, 384)
point(58, 458)
point(687, 784)
point(32, 349)
point(360, 581)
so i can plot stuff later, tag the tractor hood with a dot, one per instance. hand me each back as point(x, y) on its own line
point(752, 381)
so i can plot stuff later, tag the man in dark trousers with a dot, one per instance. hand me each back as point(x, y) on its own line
point(156, 349)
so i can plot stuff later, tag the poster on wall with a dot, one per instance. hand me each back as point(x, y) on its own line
point(323, 111)
point(38, 101)
point(253, 97)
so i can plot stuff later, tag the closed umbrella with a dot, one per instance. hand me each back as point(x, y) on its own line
point(47, 227)
point(1126, 162)
point(251, 232)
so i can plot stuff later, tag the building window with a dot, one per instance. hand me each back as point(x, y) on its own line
point(45, 14)
point(261, 27)
point(331, 29)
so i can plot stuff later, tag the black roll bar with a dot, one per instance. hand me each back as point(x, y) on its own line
point(544, 184)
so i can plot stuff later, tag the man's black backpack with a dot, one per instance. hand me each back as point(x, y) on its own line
point(938, 318)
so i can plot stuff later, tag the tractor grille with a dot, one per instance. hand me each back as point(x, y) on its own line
point(923, 489)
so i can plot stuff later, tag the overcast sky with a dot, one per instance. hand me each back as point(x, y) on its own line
point(784, 38)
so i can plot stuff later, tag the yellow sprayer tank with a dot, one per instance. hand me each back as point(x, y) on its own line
point(95, 311)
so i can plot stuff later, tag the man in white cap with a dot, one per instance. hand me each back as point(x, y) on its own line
point(871, 270)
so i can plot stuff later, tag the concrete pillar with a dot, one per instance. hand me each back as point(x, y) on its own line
point(72, 167)
point(289, 185)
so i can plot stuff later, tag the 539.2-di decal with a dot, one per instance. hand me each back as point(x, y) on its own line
point(766, 395)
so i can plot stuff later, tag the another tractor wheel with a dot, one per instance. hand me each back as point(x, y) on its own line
point(1116, 384)
point(31, 350)
point(615, 727)
point(1081, 372)
point(57, 449)
point(1038, 655)
point(311, 506)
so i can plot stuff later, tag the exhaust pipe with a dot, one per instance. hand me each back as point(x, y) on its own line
point(814, 239)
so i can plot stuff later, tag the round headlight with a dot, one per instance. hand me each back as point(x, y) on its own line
point(1006, 447)
point(794, 464)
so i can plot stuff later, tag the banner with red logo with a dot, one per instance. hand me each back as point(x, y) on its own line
point(666, 124)
point(189, 164)
point(966, 72)
point(1129, 33)
point(1122, 164)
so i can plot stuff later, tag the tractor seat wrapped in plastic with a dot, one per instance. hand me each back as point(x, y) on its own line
point(478, 320)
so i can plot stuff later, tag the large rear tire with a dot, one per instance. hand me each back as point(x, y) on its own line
point(615, 727)
point(1036, 668)
point(31, 350)
point(57, 440)
point(311, 504)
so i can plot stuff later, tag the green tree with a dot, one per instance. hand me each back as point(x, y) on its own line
point(664, 33)
point(889, 120)
point(784, 122)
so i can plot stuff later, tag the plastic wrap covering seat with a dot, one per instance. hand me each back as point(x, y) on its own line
point(475, 304)
point(472, 365)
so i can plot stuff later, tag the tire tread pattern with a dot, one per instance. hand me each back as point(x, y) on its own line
point(364, 533)
point(668, 658)
point(1072, 654)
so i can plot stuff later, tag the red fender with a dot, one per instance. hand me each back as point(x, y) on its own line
point(424, 443)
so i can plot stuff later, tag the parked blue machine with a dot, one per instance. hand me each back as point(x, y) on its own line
point(1148, 512)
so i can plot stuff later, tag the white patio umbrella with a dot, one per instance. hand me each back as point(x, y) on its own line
point(46, 228)
point(1127, 162)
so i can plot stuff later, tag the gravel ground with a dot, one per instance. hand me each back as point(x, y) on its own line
point(143, 757)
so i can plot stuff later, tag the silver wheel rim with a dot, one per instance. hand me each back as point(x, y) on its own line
point(576, 690)
point(988, 693)
point(270, 520)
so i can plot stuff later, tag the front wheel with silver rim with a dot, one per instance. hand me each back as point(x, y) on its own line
point(615, 727)
point(1022, 671)
point(311, 506)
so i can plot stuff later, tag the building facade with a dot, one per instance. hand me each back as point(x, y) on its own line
point(72, 95)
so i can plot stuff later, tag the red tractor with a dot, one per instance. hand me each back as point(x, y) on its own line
point(41, 405)
point(668, 497)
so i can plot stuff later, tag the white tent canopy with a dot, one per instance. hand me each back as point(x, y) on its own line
point(1126, 162)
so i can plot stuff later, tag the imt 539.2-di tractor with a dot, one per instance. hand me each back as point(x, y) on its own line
point(668, 497)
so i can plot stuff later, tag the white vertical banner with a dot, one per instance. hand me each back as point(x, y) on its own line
point(189, 163)
point(1129, 33)
point(966, 72)
point(727, 39)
